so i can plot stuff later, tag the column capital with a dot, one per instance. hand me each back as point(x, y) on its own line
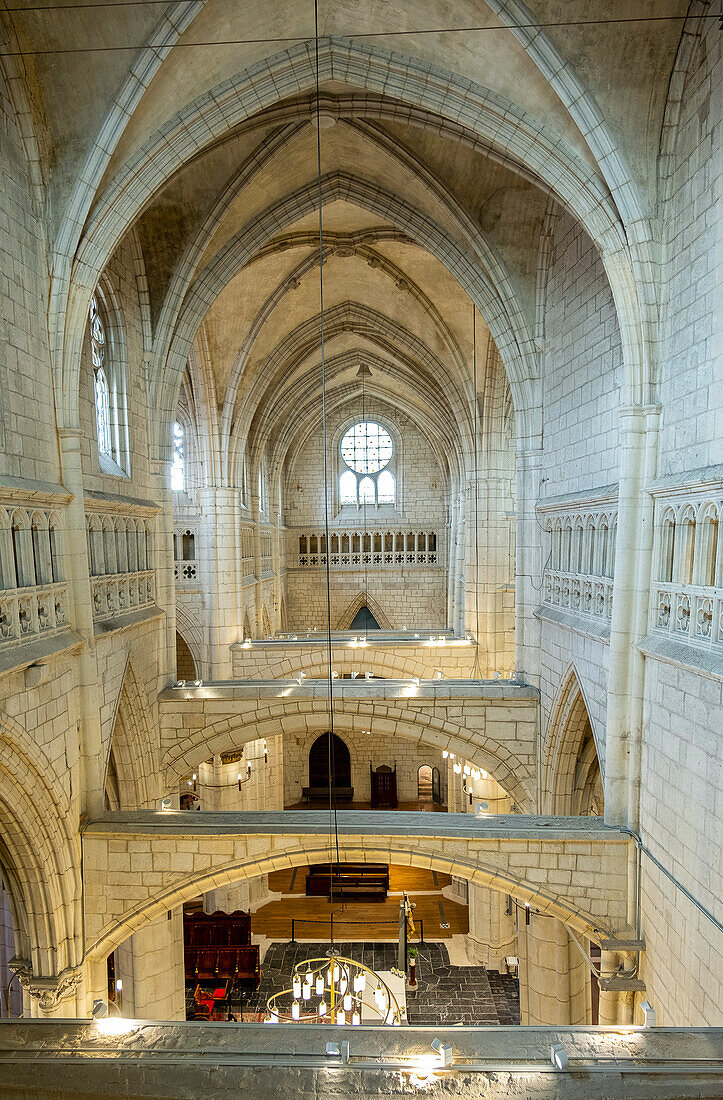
point(640, 417)
point(47, 991)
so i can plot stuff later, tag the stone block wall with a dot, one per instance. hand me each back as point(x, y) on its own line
point(582, 366)
point(281, 660)
point(364, 749)
point(408, 598)
point(691, 366)
point(680, 824)
point(27, 415)
point(415, 595)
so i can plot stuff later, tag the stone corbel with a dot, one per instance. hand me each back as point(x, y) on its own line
point(48, 992)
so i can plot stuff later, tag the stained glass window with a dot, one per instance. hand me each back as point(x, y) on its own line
point(367, 448)
point(97, 334)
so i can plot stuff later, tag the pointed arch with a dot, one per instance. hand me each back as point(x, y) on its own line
point(186, 667)
point(571, 756)
point(363, 599)
point(132, 751)
point(187, 626)
point(39, 855)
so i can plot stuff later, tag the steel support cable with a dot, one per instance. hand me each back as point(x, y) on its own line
point(333, 824)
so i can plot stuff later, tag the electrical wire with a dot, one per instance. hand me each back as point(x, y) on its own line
point(333, 823)
point(476, 667)
point(484, 29)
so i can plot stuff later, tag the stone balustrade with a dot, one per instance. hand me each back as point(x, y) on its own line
point(580, 593)
point(120, 593)
point(33, 612)
point(352, 549)
point(688, 613)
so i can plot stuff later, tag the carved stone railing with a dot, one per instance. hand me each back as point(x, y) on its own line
point(30, 613)
point(121, 593)
point(355, 549)
point(688, 613)
point(579, 593)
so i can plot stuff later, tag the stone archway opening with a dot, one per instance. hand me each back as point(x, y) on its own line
point(574, 779)
point(329, 760)
point(185, 661)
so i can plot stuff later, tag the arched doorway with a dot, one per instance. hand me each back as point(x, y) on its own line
point(428, 784)
point(364, 620)
point(319, 762)
point(424, 783)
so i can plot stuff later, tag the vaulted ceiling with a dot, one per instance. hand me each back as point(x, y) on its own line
point(429, 199)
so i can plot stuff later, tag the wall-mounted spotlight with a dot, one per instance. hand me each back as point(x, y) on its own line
point(444, 1050)
point(527, 912)
point(180, 683)
point(198, 683)
point(558, 1057)
point(339, 1050)
point(648, 1014)
point(166, 803)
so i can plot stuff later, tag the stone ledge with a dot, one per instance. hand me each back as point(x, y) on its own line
point(581, 624)
point(74, 1059)
point(122, 622)
point(432, 690)
point(385, 823)
point(707, 661)
point(29, 653)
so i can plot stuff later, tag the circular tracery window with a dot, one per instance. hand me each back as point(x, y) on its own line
point(367, 447)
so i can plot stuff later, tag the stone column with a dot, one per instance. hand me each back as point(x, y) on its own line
point(219, 790)
point(91, 742)
point(544, 953)
point(631, 594)
point(616, 1006)
point(12, 1002)
point(164, 565)
point(492, 935)
point(219, 507)
point(529, 563)
point(487, 518)
point(150, 965)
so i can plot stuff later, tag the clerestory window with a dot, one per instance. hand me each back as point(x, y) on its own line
point(178, 464)
point(108, 393)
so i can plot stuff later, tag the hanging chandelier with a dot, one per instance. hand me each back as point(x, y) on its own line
point(333, 990)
